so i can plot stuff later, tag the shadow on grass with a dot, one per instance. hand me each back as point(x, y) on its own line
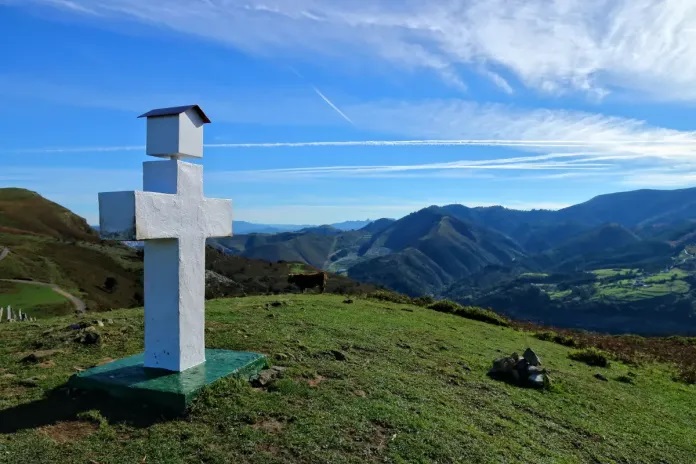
point(62, 404)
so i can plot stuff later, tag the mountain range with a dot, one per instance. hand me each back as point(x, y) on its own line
point(469, 254)
point(244, 227)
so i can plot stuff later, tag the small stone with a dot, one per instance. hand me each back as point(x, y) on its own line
point(100, 324)
point(515, 374)
point(339, 355)
point(109, 321)
point(281, 356)
point(264, 378)
point(279, 369)
point(503, 365)
point(78, 326)
point(347, 301)
point(535, 369)
point(522, 365)
point(599, 376)
point(536, 380)
point(89, 338)
point(532, 357)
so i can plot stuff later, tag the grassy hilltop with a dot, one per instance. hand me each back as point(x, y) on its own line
point(412, 388)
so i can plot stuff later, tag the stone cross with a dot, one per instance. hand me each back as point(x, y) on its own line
point(174, 219)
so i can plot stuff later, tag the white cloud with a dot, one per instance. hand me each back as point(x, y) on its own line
point(554, 46)
point(561, 140)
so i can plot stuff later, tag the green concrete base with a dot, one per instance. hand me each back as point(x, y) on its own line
point(127, 378)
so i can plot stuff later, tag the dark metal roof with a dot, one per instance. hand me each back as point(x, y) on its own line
point(175, 110)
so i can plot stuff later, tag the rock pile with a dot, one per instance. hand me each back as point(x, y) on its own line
point(525, 370)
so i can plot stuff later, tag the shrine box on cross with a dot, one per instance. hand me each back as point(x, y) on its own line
point(175, 131)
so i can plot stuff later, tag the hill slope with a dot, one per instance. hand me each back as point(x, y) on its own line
point(417, 392)
point(42, 241)
point(429, 250)
point(49, 243)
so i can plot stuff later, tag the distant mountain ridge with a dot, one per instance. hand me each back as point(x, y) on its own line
point(244, 227)
point(448, 250)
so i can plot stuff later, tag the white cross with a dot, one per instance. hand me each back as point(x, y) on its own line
point(174, 218)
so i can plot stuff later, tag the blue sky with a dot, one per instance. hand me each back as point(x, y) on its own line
point(329, 110)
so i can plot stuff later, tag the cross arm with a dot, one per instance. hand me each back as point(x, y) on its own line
point(217, 217)
point(139, 215)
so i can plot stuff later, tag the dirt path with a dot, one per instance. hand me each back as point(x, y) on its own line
point(80, 305)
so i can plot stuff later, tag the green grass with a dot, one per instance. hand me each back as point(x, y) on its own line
point(402, 395)
point(657, 286)
point(559, 294)
point(35, 300)
point(667, 276)
point(533, 275)
point(605, 273)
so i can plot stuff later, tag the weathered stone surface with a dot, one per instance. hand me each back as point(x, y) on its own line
point(536, 380)
point(532, 357)
point(505, 364)
point(535, 369)
point(89, 336)
point(265, 378)
point(599, 376)
point(520, 370)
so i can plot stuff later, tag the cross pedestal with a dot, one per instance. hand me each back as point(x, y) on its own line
point(174, 219)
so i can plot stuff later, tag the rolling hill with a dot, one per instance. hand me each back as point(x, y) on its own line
point(48, 243)
point(43, 242)
point(451, 250)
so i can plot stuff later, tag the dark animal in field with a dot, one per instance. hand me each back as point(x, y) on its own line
point(305, 281)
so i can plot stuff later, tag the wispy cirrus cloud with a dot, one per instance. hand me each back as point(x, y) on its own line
point(646, 47)
point(463, 123)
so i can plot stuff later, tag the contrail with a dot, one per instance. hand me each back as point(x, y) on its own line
point(333, 106)
point(323, 97)
point(689, 143)
point(451, 143)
